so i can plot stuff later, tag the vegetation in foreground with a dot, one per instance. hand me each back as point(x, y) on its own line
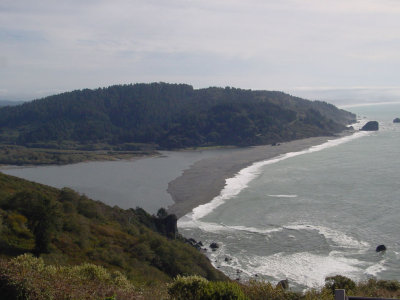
point(28, 277)
point(195, 287)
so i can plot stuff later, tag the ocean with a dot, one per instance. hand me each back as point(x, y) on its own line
point(308, 215)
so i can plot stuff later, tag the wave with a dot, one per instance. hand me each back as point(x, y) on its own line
point(233, 186)
point(339, 238)
point(184, 223)
point(283, 196)
point(303, 268)
point(377, 268)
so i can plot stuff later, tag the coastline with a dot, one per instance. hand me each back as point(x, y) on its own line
point(205, 179)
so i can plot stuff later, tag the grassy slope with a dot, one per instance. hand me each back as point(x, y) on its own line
point(90, 231)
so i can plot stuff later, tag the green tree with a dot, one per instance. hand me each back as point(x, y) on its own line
point(42, 213)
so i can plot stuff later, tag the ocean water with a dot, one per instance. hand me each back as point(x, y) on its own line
point(307, 215)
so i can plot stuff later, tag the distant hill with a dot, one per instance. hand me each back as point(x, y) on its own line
point(169, 116)
point(10, 103)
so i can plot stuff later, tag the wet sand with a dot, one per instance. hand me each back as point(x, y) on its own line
point(205, 179)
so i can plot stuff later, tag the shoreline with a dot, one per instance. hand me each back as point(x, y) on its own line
point(206, 178)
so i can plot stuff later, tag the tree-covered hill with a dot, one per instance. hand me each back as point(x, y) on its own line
point(169, 116)
point(66, 228)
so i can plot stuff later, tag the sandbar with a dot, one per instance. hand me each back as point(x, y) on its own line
point(205, 179)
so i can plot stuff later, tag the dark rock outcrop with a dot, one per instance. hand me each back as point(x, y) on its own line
point(195, 244)
point(214, 246)
point(227, 259)
point(397, 120)
point(371, 126)
point(284, 284)
point(381, 248)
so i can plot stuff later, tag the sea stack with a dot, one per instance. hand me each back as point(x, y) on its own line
point(371, 126)
point(381, 248)
point(397, 120)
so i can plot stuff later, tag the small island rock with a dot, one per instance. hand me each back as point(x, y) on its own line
point(371, 126)
point(397, 120)
point(214, 246)
point(381, 248)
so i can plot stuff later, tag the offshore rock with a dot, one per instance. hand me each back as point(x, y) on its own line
point(371, 126)
point(214, 246)
point(381, 248)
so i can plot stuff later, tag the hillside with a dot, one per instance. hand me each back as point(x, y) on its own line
point(66, 228)
point(167, 116)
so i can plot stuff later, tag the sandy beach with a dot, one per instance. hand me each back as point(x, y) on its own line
point(205, 179)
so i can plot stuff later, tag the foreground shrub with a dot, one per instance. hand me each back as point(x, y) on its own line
point(187, 287)
point(222, 290)
point(27, 277)
point(339, 282)
point(198, 288)
point(260, 290)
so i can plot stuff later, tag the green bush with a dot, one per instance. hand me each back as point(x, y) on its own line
point(199, 288)
point(389, 285)
point(339, 282)
point(261, 290)
point(28, 277)
point(187, 287)
point(219, 290)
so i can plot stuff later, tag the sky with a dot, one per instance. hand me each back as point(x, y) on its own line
point(297, 46)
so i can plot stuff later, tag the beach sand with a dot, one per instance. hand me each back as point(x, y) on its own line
point(205, 179)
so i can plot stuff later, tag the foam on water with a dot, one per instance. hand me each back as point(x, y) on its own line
point(377, 268)
point(304, 268)
point(340, 239)
point(283, 196)
point(256, 230)
point(219, 228)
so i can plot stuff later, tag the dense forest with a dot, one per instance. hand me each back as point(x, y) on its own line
point(168, 116)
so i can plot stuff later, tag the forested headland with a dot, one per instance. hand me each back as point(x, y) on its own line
point(144, 117)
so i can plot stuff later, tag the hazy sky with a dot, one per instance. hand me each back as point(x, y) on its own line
point(49, 46)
